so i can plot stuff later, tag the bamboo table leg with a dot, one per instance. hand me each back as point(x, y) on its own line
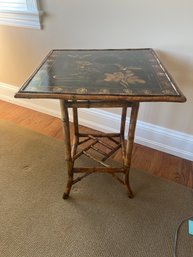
point(67, 144)
point(76, 131)
point(122, 130)
point(129, 146)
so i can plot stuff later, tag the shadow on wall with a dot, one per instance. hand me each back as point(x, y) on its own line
point(174, 115)
point(181, 68)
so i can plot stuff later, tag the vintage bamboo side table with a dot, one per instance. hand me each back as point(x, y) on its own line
point(95, 79)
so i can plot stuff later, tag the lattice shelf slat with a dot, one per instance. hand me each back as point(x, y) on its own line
point(97, 160)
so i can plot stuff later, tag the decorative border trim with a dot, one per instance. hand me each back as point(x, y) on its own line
point(153, 136)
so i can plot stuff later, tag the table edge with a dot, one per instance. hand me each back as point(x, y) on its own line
point(76, 97)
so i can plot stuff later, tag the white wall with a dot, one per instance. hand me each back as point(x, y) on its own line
point(163, 25)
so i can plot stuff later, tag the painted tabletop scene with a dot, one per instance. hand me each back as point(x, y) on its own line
point(105, 72)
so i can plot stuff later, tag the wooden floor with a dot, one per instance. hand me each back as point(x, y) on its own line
point(144, 158)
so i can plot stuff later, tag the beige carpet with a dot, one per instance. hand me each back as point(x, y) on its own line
point(97, 220)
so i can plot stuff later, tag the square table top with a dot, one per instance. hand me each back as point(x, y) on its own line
point(118, 74)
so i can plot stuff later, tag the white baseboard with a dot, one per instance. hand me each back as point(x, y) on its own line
point(156, 137)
